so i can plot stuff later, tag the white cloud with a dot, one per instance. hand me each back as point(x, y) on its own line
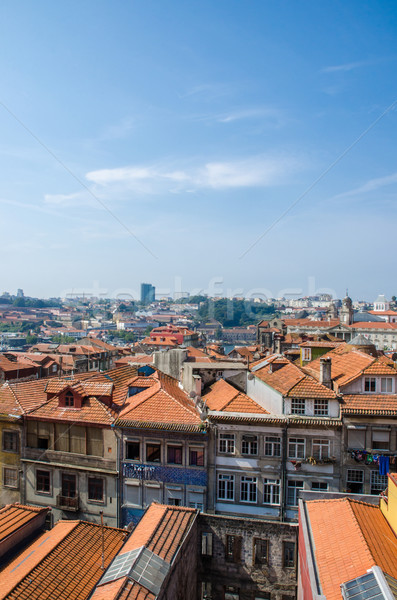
point(371, 185)
point(348, 66)
point(257, 171)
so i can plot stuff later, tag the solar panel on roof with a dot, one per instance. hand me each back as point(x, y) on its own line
point(374, 585)
point(140, 565)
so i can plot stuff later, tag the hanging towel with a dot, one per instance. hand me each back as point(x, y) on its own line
point(384, 465)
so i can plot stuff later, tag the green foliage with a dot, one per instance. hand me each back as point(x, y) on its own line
point(31, 339)
point(234, 313)
point(62, 339)
point(123, 334)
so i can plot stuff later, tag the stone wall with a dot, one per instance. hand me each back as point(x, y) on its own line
point(230, 569)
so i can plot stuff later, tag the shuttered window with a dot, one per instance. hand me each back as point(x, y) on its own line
point(94, 441)
point(62, 437)
point(77, 439)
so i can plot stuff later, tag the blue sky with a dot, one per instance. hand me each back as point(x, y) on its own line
point(158, 140)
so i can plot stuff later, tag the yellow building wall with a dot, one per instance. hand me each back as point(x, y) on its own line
point(389, 508)
point(9, 459)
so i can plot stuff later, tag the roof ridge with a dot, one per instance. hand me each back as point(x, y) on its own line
point(15, 397)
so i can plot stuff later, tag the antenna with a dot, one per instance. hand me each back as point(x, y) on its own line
point(103, 541)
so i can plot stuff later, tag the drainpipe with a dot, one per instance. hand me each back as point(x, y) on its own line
point(284, 473)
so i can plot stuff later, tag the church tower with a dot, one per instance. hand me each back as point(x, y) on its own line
point(346, 312)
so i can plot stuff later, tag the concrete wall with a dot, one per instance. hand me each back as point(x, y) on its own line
point(264, 395)
point(170, 361)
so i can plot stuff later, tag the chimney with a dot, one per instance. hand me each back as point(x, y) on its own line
point(277, 344)
point(325, 372)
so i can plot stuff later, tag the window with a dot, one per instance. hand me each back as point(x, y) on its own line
point(132, 450)
point(261, 551)
point(95, 489)
point(174, 455)
point(296, 448)
point(196, 457)
point(10, 477)
point(320, 449)
point(289, 554)
point(233, 548)
point(378, 483)
point(249, 444)
point(206, 544)
point(225, 487)
point(226, 442)
point(355, 481)
point(248, 490)
point(206, 590)
point(319, 486)
point(356, 437)
point(293, 488)
point(69, 485)
point(271, 491)
point(153, 452)
point(370, 384)
point(272, 446)
point(231, 592)
point(306, 354)
point(298, 406)
point(43, 482)
point(321, 408)
point(69, 399)
point(263, 596)
point(380, 439)
point(10, 441)
point(386, 385)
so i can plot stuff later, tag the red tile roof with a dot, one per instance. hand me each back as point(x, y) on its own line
point(346, 365)
point(292, 381)
point(369, 404)
point(224, 397)
point(64, 563)
point(162, 403)
point(349, 537)
point(162, 530)
point(15, 516)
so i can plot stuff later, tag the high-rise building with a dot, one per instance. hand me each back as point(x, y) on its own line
point(147, 293)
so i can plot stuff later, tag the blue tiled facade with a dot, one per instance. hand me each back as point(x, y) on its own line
point(166, 474)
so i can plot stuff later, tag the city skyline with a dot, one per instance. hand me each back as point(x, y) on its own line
point(251, 143)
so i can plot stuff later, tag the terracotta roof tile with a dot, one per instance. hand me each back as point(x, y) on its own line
point(346, 365)
point(369, 404)
point(51, 567)
point(162, 530)
point(224, 396)
point(349, 538)
point(292, 381)
point(15, 516)
point(164, 402)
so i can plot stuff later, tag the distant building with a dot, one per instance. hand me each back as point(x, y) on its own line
point(20, 293)
point(147, 293)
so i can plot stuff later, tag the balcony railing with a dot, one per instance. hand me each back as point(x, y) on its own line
point(67, 503)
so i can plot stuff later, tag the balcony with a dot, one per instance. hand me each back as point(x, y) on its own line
point(67, 503)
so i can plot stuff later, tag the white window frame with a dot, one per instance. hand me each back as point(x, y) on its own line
point(370, 381)
point(272, 446)
point(271, 491)
point(249, 447)
point(292, 484)
point(386, 382)
point(249, 489)
point(15, 472)
point(321, 407)
point(226, 490)
point(378, 483)
point(299, 446)
point(321, 448)
point(319, 486)
point(227, 443)
point(298, 406)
